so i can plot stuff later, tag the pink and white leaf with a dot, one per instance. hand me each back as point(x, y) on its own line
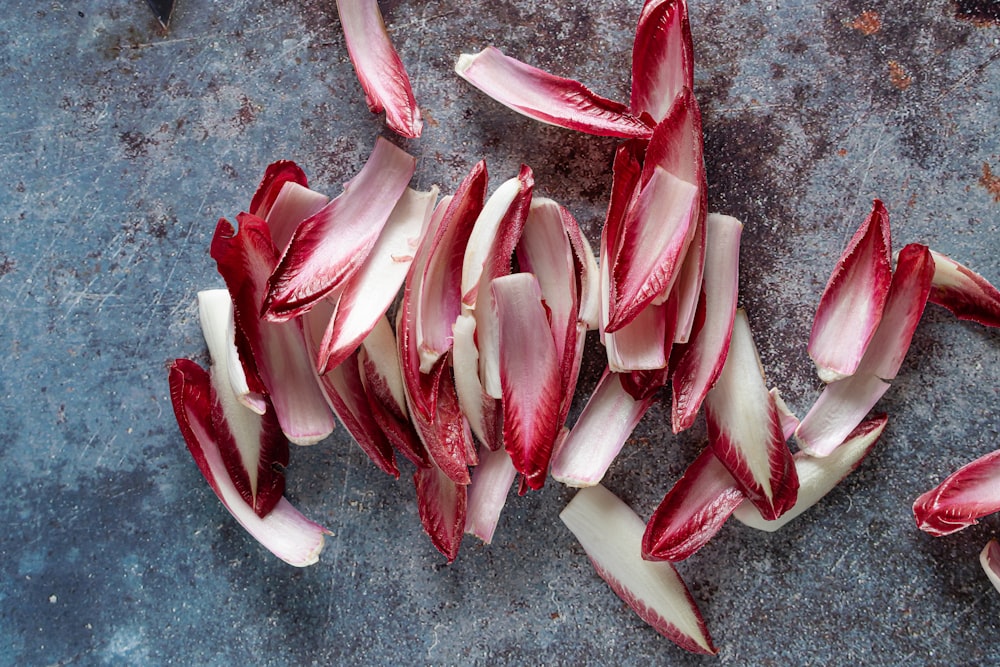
point(383, 382)
point(911, 284)
point(611, 534)
point(348, 397)
point(964, 497)
point(285, 532)
point(655, 236)
point(607, 420)
point(346, 391)
point(331, 246)
point(818, 476)
point(482, 410)
point(252, 446)
point(437, 283)
point(744, 428)
point(276, 177)
point(852, 303)
point(789, 420)
point(662, 57)
point(491, 483)
point(530, 376)
point(291, 205)
point(442, 505)
point(838, 410)
point(379, 67)
point(692, 511)
point(700, 362)
point(445, 434)
point(489, 255)
point(368, 294)
point(245, 259)
point(553, 249)
point(495, 235)
point(989, 558)
point(220, 306)
point(964, 292)
point(644, 343)
point(686, 290)
point(547, 98)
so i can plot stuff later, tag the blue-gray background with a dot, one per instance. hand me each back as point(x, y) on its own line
point(120, 147)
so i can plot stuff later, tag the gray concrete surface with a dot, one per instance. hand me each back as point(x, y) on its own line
point(121, 145)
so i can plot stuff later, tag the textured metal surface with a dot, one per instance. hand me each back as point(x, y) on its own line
point(120, 146)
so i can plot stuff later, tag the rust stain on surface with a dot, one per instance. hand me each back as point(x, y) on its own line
point(991, 182)
point(868, 23)
point(898, 76)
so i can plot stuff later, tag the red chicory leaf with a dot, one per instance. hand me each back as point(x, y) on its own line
point(911, 283)
point(488, 255)
point(276, 176)
point(245, 260)
point(662, 57)
point(530, 375)
point(744, 428)
point(965, 293)
point(607, 420)
point(379, 68)
point(837, 411)
point(437, 279)
point(652, 246)
point(383, 382)
point(491, 482)
point(789, 421)
point(553, 249)
point(217, 300)
point(818, 476)
point(442, 506)
point(851, 307)
point(284, 531)
point(700, 362)
point(611, 534)
point(367, 295)
point(547, 98)
point(292, 205)
point(331, 246)
point(251, 444)
point(964, 497)
point(692, 511)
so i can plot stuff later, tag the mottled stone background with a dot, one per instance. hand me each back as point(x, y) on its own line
point(122, 144)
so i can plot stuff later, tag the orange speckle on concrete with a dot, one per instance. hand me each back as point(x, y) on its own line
point(868, 23)
point(842, 152)
point(991, 182)
point(898, 76)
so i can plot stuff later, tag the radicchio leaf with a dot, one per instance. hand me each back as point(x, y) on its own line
point(700, 362)
point(662, 57)
point(851, 307)
point(530, 376)
point(245, 260)
point(965, 496)
point(331, 246)
point(611, 534)
point(744, 428)
point(252, 446)
point(547, 98)
point(379, 68)
point(965, 293)
point(692, 511)
point(285, 532)
point(818, 476)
